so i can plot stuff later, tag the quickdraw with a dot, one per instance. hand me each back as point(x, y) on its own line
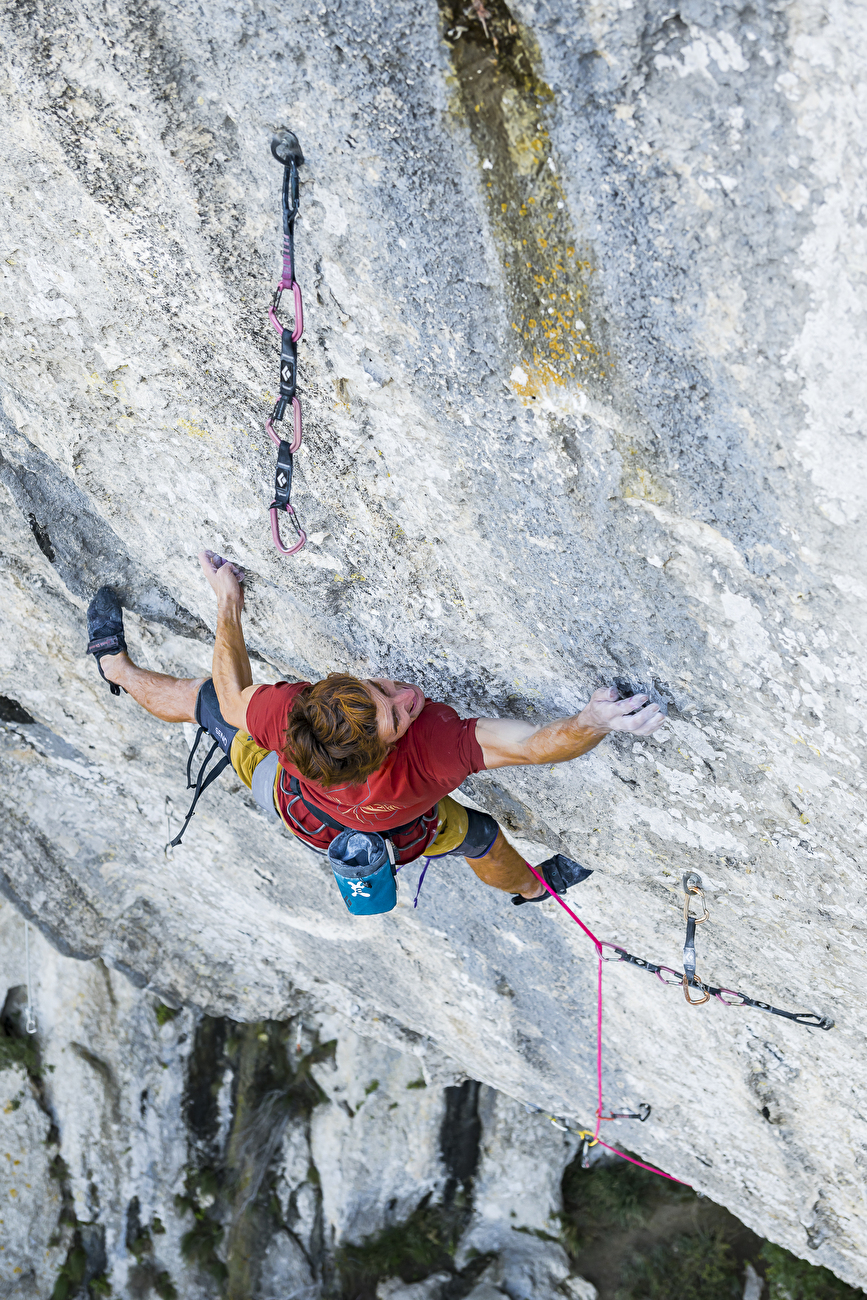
point(592, 1139)
point(687, 978)
point(692, 889)
point(287, 151)
point(728, 997)
point(589, 1138)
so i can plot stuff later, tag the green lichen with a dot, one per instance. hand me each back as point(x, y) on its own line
point(71, 1274)
point(790, 1278)
point(21, 1052)
point(423, 1244)
point(165, 1287)
point(164, 1014)
point(200, 1242)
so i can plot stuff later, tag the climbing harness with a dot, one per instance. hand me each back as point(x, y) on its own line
point(212, 722)
point(287, 151)
point(200, 784)
point(29, 1014)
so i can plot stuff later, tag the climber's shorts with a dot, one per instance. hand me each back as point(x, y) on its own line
point(460, 831)
point(259, 769)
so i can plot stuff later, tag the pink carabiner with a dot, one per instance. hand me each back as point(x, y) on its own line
point(719, 997)
point(678, 978)
point(275, 532)
point(299, 314)
point(603, 943)
point(296, 438)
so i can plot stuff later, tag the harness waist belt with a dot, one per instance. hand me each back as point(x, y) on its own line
point(295, 787)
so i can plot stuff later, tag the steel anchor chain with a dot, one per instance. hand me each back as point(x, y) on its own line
point(287, 151)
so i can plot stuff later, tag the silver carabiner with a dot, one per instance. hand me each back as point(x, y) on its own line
point(693, 888)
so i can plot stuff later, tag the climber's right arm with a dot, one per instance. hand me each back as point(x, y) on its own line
point(508, 742)
point(233, 678)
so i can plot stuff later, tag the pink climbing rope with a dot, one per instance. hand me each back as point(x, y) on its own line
point(599, 1116)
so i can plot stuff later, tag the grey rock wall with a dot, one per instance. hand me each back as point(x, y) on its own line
point(196, 1157)
point(628, 448)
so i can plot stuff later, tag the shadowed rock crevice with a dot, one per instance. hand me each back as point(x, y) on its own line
point(459, 1139)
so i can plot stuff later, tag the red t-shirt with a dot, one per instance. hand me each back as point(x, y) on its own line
point(435, 755)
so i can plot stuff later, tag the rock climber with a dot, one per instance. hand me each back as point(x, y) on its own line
point(368, 754)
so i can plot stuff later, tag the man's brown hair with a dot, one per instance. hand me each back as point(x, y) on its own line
point(332, 735)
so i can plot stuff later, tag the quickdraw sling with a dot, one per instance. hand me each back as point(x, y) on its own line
point(692, 887)
point(287, 151)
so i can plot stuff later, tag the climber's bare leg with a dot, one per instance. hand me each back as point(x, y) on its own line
point(502, 867)
point(171, 699)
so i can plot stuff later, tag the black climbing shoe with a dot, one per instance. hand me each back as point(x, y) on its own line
point(105, 629)
point(560, 872)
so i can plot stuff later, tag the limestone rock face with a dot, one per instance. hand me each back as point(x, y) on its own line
point(183, 1151)
point(582, 380)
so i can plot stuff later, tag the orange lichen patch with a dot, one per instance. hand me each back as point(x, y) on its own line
point(547, 280)
point(561, 345)
point(531, 379)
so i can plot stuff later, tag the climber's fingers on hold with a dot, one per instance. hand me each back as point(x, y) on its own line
point(225, 578)
point(210, 559)
point(645, 721)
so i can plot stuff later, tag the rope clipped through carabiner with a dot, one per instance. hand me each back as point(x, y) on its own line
point(692, 885)
point(286, 149)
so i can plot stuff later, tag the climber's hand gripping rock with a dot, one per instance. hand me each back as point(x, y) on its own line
point(225, 578)
point(607, 712)
point(509, 742)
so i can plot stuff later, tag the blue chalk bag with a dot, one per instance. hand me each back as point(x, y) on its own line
point(364, 872)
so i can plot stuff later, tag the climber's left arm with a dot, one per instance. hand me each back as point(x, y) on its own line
point(507, 742)
point(233, 678)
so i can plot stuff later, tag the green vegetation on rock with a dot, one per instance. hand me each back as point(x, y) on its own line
point(164, 1014)
point(637, 1236)
point(790, 1278)
point(700, 1267)
point(424, 1243)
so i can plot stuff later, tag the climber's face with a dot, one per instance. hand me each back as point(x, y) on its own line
point(398, 704)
